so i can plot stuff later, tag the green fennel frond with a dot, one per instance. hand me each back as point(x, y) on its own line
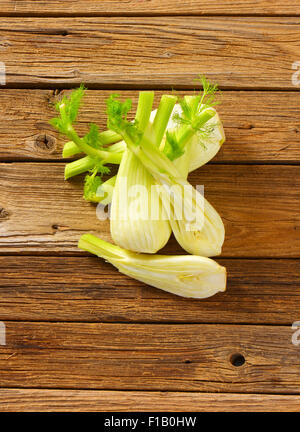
point(93, 181)
point(73, 103)
point(117, 113)
point(209, 93)
point(193, 106)
point(100, 168)
point(196, 111)
point(91, 184)
point(92, 138)
point(68, 108)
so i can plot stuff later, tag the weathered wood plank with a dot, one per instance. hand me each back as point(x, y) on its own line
point(152, 7)
point(88, 289)
point(187, 357)
point(151, 51)
point(260, 126)
point(43, 400)
point(259, 204)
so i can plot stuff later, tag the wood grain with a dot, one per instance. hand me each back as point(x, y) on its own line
point(133, 347)
point(32, 400)
point(40, 212)
point(255, 53)
point(187, 357)
point(151, 7)
point(88, 289)
point(260, 126)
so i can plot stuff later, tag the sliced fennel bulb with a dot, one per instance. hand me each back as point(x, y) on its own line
point(198, 152)
point(206, 241)
point(202, 149)
point(183, 275)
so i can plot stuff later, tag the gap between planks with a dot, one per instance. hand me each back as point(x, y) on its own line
point(136, 86)
point(147, 323)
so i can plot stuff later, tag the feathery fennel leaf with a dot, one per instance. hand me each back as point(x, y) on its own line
point(117, 121)
point(93, 181)
point(193, 106)
point(192, 120)
point(68, 108)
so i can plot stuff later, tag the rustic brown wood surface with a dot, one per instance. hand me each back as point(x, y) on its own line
point(259, 204)
point(80, 336)
point(103, 400)
point(243, 52)
point(151, 7)
point(260, 126)
point(187, 357)
point(35, 289)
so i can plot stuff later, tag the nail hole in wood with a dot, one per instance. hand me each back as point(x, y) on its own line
point(237, 360)
point(187, 361)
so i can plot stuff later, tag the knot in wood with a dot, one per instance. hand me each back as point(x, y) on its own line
point(45, 143)
point(4, 214)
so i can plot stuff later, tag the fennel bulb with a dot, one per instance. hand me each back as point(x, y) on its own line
point(183, 275)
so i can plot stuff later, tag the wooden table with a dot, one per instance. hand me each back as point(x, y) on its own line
point(81, 336)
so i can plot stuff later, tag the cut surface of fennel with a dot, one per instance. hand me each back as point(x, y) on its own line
point(207, 241)
point(183, 275)
point(202, 150)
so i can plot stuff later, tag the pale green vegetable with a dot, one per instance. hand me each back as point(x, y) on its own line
point(199, 150)
point(196, 224)
point(104, 191)
point(130, 223)
point(202, 149)
point(183, 275)
point(134, 200)
point(150, 155)
point(106, 138)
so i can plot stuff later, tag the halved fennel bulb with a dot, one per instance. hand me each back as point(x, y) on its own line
point(208, 240)
point(201, 150)
point(183, 275)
